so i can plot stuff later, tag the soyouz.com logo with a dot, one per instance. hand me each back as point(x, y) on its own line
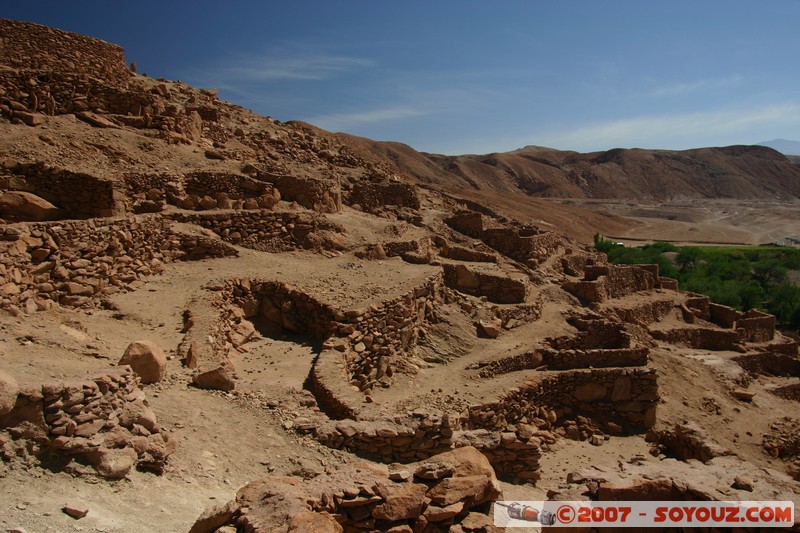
point(643, 514)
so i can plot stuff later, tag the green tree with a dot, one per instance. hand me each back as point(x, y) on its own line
point(769, 271)
point(687, 258)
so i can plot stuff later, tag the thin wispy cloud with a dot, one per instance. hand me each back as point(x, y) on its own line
point(346, 121)
point(686, 130)
point(682, 89)
point(288, 62)
point(275, 66)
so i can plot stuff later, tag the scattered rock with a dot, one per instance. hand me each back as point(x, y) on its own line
point(76, 510)
point(490, 328)
point(743, 395)
point(147, 360)
point(743, 483)
point(217, 379)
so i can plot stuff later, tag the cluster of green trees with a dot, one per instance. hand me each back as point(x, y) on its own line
point(741, 277)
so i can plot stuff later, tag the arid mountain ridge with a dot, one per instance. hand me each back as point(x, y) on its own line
point(743, 172)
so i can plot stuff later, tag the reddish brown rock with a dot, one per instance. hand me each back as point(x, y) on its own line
point(219, 378)
point(147, 360)
point(400, 502)
point(9, 389)
point(20, 205)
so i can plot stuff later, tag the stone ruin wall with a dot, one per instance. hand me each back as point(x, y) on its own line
point(700, 337)
point(523, 245)
point(382, 335)
point(266, 231)
point(102, 420)
point(604, 282)
point(51, 72)
point(420, 435)
point(76, 262)
point(624, 397)
point(461, 253)
point(375, 195)
point(77, 195)
point(646, 313)
point(25, 44)
point(360, 347)
point(470, 223)
point(497, 288)
point(317, 195)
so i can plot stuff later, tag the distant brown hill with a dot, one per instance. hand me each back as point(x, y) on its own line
point(738, 172)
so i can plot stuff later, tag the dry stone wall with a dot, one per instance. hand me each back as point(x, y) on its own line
point(102, 420)
point(621, 396)
point(75, 263)
point(470, 223)
point(701, 337)
point(604, 282)
point(382, 335)
point(645, 313)
point(461, 253)
point(322, 196)
point(77, 195)
point(29, 45)
point(514, 454)
point(528, 245)
point(362, 347)
point(497, 288)
point(755, 326)
point(267, 231)
point(375, 195)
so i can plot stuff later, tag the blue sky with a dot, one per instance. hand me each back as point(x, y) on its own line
point(476, 76)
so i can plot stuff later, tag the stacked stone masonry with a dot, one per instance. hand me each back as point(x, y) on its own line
point(75, 263)
point(701, 337)
point(267, 231)
point(77, 195)
point(102, 420)
point(604, 282)
point(611, 398)
point(420, 435)
point(322, 196)
point(28, 45)
point(527, 245)
point(366, 344)
point(375, 195)
point(497, 288)
point(461, 253)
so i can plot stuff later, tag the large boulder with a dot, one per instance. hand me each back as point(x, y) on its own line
point(8, 392)
point(21, 205)
point(220, 378)
point(147, 360)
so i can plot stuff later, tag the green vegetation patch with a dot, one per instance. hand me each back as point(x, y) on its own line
point(743, 277)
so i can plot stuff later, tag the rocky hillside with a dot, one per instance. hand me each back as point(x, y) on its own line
point(734, 172)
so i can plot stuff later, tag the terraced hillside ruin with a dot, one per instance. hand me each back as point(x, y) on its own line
point(195, 298)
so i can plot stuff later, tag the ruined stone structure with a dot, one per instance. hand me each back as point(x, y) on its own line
point(497, 288)
point(269, 231)
point(102, 420)
point(76, 195)
point(604, 282)
point(76, 262)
